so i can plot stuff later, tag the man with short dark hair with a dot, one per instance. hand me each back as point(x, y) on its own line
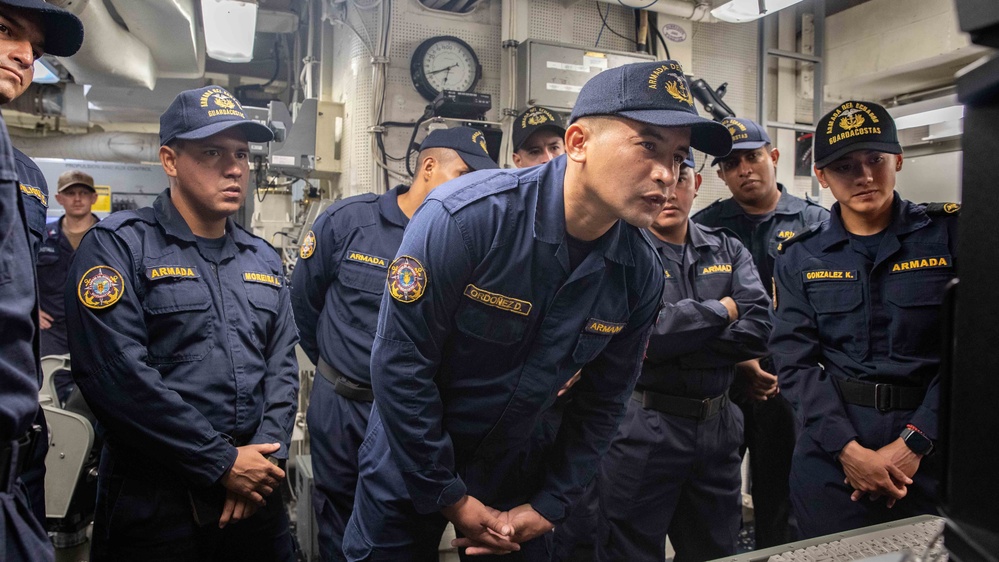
point(184, 348)
point(22, 536)
point(762, 214)
point(537, 137)
point(506, 284)
point(33, 28)
point(336, 291)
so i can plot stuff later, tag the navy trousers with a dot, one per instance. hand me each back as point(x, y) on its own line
point(144, 513)
point(664, 474)
point(336, 427)
point(821, 501)
point(771, 432)
point(385, 527)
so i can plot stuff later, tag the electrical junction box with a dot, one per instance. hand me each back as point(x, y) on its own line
point(552, 74)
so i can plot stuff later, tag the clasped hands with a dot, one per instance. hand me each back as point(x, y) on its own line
point(250, 480)
point(486, 530)
point(886, 472)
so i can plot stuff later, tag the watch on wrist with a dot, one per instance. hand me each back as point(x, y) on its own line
point(916, 441)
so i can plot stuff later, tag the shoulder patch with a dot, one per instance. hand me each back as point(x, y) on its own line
point(407, 279)
point(100, 287)
point(938, 209)
point(798, 237)
point(308, 246)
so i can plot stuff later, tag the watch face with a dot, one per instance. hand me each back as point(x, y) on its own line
point(445, 63)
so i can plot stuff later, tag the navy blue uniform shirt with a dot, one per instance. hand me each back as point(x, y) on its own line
point(174, 350)
point(792, 215)
point(466, 370)
point(54, 256)
point(35, 193)
point(694, 348)
point(840, 315)
point(337, 287)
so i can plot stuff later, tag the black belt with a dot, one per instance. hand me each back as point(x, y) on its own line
point(680, 406)
point(884, 397)
point(344, 386)
point(14, 456)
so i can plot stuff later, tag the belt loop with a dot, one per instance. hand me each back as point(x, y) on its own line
point(882, 397)
point(706, 408)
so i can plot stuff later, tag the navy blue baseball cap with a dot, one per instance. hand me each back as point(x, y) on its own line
point(689, 160)
point(469, 143)
point(854, 125)
point(199, 114)
point(533, 120)
point(656, 93)
point(746, 135)
point(63, 31)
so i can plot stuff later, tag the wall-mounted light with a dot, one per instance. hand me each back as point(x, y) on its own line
point(44, 74)
point(230, 26)
point(741, 11)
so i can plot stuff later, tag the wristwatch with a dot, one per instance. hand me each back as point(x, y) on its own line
point(916, 441)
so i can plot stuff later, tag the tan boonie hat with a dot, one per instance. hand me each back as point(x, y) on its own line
point(75, 177)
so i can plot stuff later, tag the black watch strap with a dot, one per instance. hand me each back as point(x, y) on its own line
point(916, 441)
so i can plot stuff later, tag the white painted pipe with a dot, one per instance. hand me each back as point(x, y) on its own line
point(696, 10)
point(98, 147)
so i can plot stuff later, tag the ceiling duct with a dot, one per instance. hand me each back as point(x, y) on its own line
point(98, 147)
point(162, 40)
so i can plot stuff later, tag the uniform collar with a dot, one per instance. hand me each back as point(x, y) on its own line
point(906, 218)
point(388, 206)
point(698, 238)
point(175, 226)
point(787, 204)
point(549, 220)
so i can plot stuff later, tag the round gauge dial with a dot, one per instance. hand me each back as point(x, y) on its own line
point(444, 63)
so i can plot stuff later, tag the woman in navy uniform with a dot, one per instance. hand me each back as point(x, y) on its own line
point(856, 333)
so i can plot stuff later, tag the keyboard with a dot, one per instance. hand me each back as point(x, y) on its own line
point(898, 541)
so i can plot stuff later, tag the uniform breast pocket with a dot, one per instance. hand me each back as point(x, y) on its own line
point(179, 320)
point(498, 327)
point(263, 299)
point(840, 316)
point(359, 294)
point(915, 313)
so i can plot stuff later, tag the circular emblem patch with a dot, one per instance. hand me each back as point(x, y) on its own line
point(407, 279)
point(308, 246)
point(100, 287)
point(951, 208)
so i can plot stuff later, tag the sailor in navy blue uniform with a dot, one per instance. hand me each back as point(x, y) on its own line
point(184, 347)
point(505, 285)
point(33, 28)
point(22, 536)
point(856, 335)
point(762, 214)
point(536, 137)
point(674, 465)
point(336, 290)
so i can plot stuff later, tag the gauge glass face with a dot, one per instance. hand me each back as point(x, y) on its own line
point(448, 65)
